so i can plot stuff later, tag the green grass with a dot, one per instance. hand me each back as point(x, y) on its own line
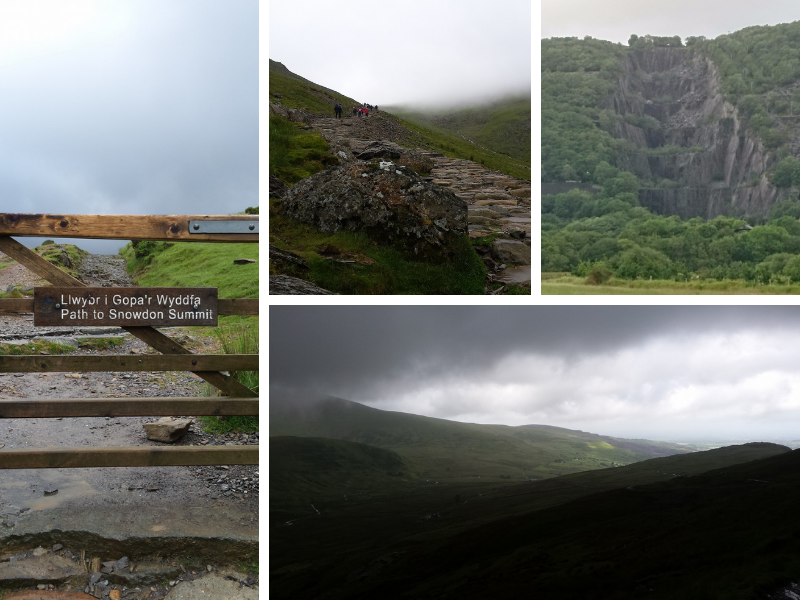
point(565, 284)
point(295, 154)
point(240, 338)
point(34, 348)
point(378, 269)
point(195, 264)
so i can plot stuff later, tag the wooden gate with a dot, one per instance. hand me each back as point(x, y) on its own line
point(238, 400)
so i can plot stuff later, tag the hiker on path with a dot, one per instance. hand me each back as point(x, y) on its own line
point(367, 111)
point(354, 111)
point(338, 110)
point(359, 111)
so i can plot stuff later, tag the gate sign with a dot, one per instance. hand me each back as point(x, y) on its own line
point(124, 306)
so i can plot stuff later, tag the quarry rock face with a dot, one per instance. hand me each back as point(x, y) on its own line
point(390, 202)
point(722, 174)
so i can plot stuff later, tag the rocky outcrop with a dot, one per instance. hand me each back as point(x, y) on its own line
point(390, 202)
point(285, 285)
point(381, 149)
point(669, 97)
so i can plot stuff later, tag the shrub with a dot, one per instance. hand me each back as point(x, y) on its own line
point(598, 275)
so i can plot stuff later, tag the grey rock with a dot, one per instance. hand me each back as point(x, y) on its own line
point(212, 586)
point(286, 257)
point(394, 206)
point(57, 547)
point(283, 284)
point(516, 232)
point(381, 149)
point(39, 551)
point(95, 578)
point(167, 429)
point(244, 261)
point(38, 569)
point(511, 251)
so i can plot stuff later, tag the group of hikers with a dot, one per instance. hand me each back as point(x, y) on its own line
point(361, 111)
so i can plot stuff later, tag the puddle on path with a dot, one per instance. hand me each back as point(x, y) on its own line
point(27, 491)
point(515, 274)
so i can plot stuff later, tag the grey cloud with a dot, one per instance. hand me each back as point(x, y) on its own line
point(161, 117)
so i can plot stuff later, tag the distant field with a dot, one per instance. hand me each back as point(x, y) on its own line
point(565, 284)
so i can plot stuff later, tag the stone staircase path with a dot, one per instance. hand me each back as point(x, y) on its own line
point(499, 205)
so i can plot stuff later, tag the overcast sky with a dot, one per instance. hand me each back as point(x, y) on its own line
point(616, 20)
point(673, 373)
point(128, 107)
point(408, 52)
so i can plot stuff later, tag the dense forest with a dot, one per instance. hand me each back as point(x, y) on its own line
point(602, 229)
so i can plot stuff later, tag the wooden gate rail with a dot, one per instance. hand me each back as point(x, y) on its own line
point(160, 228)
point(126, 362)
point(133, 456)
point(127, 407)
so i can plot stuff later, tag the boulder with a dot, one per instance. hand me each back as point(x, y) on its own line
point(511, 251)
point(416, 161)
point(381, 149)
point(284, 284)
point(167, 429)
point(391, 203)
point(276, 187)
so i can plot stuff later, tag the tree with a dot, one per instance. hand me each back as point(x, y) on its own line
point(632, 40)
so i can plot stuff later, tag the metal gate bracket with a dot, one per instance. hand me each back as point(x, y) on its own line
point(223, 226)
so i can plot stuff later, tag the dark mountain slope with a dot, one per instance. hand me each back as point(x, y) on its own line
point(448, 449)
point(728, 533)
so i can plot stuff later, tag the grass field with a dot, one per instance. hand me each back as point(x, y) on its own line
point(566, 284)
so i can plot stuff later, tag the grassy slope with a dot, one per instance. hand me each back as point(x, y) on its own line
point(503, 126)
point(199, 265)
point(452, 450)
point(415, 525)
point(725, 534)
point(299, 92)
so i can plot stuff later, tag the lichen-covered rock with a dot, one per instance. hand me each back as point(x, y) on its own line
point(381, 149)
point(390, 202)
point(284, 284)
point(416, 161)
point(511, 252)
point(276, 187)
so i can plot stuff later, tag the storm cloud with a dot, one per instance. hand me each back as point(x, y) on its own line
point(129, 107)
point(677, 373)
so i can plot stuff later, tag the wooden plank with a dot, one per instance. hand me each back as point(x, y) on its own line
point(148, 335)
point(114, 456)
point(225, 306)
point(13, 306)
point(136, 306)
point(168, 228)
point(126, 407)
point(125, 362)
point(237, 306)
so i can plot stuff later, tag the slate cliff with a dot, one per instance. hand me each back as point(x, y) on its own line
point(693, 138)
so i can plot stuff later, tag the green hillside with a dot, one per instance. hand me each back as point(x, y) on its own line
point(410, 537)
point(503, 126)
point(298, 92)
point(451, 450)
